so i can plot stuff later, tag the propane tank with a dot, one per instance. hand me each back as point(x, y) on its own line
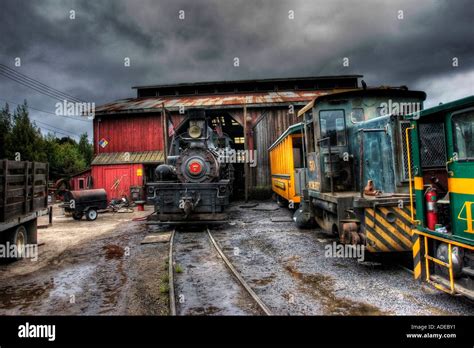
point(431, 209)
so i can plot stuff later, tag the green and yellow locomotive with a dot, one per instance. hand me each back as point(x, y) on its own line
point(357, 182)
point(442, 145)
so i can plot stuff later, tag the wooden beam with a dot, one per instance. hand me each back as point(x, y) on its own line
point(164, 119)
point(246, 164)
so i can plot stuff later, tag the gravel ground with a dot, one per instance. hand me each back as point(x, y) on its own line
point(100, 267)
point(89, 268)
point(288, 269)
point(204, 285)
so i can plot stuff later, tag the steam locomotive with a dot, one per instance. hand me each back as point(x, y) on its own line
point(195, 183)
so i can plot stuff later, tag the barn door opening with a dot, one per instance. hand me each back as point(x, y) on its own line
point(235, 132)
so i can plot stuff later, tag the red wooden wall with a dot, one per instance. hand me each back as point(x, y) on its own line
point(125, 174)
point(75, 180)
point(128, 133)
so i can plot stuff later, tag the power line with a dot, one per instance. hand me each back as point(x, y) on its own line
point(61, 129)
point(36, 82)
point(37, 89)
point(17, 76)
point(56, 131)
point(46, 112)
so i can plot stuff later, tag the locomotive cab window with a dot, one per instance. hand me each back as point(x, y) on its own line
point(308, 117)
point(432, 145)
point(463, 129)
point(333, 126)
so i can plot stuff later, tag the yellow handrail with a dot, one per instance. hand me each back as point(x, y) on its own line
point(449, 265)
point(409, 171)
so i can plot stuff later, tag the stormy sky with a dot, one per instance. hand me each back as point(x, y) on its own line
point(408, 42)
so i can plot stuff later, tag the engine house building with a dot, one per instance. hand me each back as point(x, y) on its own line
point(129, 140)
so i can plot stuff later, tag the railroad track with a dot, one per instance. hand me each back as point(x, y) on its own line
point(228, 265)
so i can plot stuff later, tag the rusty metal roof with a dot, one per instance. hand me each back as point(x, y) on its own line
point(145, 157)
point(173, 103)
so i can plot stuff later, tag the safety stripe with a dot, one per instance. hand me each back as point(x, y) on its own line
point(388, 232)
point(377, 237)
point(405, 214)
point(418, 183)
point(461, 185)
point(398, 230)
point(405, 228)
point(379, 246)
point(416, 256)
point(370, 248)
point(389, 238)
point(392, 234)
point(370, 234)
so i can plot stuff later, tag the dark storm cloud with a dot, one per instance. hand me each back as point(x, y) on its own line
point(85, 56)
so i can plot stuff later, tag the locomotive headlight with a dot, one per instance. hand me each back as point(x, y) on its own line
point(194, 130)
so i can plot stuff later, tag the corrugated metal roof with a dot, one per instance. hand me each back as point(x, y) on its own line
point(128, 158)
point(154, 104)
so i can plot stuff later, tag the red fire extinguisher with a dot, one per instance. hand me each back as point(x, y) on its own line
point(431, 210)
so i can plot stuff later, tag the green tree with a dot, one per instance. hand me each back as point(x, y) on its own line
point(5, 132)
point(19, 135)
point(86, 149)
point(70, 159)
point(26, 138)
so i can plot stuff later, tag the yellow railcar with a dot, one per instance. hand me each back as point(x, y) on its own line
point(286, 165)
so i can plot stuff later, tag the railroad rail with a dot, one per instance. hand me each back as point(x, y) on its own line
point(236, 275)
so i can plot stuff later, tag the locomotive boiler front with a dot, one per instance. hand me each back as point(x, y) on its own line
point(197, 164)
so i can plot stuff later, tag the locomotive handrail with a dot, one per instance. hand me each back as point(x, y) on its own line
point(410, 181)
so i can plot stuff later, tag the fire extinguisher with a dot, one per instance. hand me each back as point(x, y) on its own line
point(431, 210)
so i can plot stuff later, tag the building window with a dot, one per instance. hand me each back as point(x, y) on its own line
point(81, 184)
point(239, 140)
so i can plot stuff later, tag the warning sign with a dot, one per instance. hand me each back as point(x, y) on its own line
point(103, 142)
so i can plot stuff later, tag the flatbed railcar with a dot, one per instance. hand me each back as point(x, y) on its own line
point(357, 184)
point(442, 147)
